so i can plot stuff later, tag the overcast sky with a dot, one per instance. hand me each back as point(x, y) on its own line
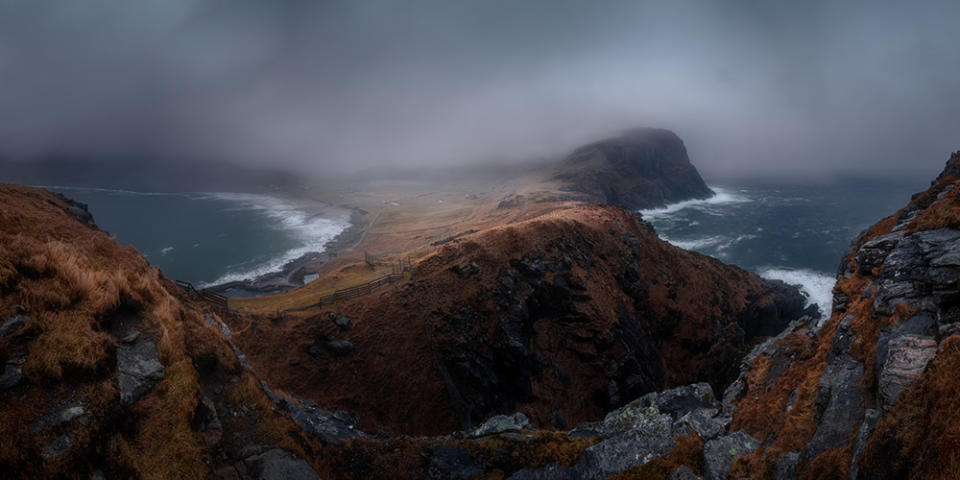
point(753, 87)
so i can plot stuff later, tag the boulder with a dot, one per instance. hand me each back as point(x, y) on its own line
point(328, 426)
point(342, 322)
point(139, 369)
point(705, 422)
point(719, 453)
point(58, 413)
point(502, 423)
point(340, 348)
point(13, 324)
point(634, 435)
point(872, 254)
point(12, 374)
point(277, 464)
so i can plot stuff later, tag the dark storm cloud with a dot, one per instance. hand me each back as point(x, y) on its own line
point(754, 87)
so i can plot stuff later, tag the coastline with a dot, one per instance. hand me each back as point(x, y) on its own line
point(291, 274)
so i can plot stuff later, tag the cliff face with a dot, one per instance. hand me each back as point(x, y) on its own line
point(562, 317)
point(873, 393)
point(642, 168)
point(109, 370)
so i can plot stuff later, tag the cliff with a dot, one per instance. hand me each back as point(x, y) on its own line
point(873, 393)
point(110, 371)
point(642, 168)
point(563, 317)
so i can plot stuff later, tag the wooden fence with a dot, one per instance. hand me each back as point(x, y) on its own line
point(397, 272)
point(204, 294)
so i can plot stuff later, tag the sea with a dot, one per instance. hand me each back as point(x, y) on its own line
point(210, 238)
point(794, 233)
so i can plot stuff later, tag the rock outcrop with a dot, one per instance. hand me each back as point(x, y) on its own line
point(641, 168)
point(870, 394)
point(110, 371)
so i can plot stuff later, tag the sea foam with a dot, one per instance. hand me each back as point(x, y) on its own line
point(721, 196)
point(312, 230)
point(817, 286)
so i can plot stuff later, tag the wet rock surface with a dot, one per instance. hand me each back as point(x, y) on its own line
point(138, 368)
point(13, 324)
point(502, 423)
point(719, 453)
point(278, 464)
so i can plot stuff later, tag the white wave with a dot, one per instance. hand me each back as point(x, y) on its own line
point(721, 242)
point(696, 243)
point(817, 286)
point(166, 250)
point(311, 229)
point(720, 196)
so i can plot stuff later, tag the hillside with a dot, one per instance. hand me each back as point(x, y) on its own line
point(109, 371)
point(562, 317)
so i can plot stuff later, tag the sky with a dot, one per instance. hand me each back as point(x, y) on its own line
point(755, 88)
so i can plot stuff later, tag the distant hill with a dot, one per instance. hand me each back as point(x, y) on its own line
point(642, 168)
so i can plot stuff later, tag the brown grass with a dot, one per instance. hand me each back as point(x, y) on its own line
point(920, 436)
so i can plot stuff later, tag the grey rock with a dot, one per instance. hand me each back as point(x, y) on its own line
point(705, 422)
point(12, 374)
point(57, 414)
point(13, 324)
point(549, 472)
point(676, 402)
point(329, 427)
point(720, 453)
point(449, 462)
point(870, 419)
point(872, 254)
point(58, 447)
point(683, 472)
point(839, 401)
point(907, 358)
point(919, 271)
point(279, 464)
point(139, 369)
point(787, 466)
point(340, 348)
point(648, 435)
point(502, 423)
point(342, 321)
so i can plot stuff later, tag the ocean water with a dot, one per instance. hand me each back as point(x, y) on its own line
point(211, 238)
point(794, 233)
